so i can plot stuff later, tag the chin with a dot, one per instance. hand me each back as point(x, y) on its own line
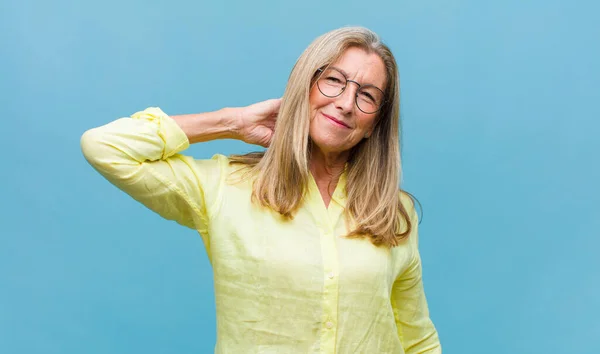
point(329, 146)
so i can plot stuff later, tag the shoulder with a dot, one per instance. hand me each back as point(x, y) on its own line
point(216, 164)
point(408, 203)
point(229, 171)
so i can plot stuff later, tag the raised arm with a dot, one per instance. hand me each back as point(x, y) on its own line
point(140, 155)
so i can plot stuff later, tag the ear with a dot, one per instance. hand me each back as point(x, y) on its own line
point(369, 132)
point(373, 126)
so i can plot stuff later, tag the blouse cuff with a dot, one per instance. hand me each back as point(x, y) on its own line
point(169, 131)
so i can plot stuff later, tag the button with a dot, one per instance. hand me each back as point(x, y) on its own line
point(329, 324)
point(330, 275)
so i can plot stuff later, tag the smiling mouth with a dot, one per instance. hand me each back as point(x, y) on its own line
point(337, 122)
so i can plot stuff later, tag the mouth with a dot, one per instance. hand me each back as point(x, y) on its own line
point(336, 121)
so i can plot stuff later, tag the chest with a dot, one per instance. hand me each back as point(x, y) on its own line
point(256, 245)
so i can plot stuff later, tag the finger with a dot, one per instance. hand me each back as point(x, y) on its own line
point(270, 123)
point(269, 138)
point(266, 142)
point(275, 104)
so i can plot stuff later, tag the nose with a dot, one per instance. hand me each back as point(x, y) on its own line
point(345, 101)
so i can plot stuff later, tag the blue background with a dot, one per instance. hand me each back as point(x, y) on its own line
point(500, 102)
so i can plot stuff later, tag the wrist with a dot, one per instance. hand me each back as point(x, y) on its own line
point(231, 119)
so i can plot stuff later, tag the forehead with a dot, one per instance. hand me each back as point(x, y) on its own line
point(367, 68)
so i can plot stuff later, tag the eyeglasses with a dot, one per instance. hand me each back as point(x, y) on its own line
point(332, 83)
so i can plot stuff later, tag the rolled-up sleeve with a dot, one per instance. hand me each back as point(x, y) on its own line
point(140, 155)
point(415, 328)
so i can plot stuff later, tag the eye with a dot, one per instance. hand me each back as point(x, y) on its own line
point(367, 96)
point(334, 79)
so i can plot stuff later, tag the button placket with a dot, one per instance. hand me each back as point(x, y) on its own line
point(330, 289)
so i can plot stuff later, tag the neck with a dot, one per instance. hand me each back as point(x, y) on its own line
point(327, 165)
point(326, 169)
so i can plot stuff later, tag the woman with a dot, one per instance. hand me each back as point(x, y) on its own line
point(312, 243)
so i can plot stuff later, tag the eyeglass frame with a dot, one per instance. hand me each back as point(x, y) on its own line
point(322, 70)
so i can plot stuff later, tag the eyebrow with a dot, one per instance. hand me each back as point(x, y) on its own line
point(346, 75)
point(340, 70)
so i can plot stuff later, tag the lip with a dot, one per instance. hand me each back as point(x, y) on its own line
point(336, 121)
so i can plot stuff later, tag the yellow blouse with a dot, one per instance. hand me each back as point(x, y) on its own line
point(280, 286)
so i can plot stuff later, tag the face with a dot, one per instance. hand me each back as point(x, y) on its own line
point(337, 124)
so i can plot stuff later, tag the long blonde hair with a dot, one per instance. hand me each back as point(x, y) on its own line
point(374, 167)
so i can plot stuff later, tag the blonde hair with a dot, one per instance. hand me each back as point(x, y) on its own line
point(374, 206)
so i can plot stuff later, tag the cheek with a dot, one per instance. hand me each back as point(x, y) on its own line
point(366, 122)
point(316, 99)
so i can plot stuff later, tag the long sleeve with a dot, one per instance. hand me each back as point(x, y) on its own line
point(140, 155)
point(415, 328)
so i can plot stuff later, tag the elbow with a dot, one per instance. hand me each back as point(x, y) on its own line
point(98, 149)
point(102, 151)
point(91, 143)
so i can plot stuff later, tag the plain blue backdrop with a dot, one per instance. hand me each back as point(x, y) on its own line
point(501, 118)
